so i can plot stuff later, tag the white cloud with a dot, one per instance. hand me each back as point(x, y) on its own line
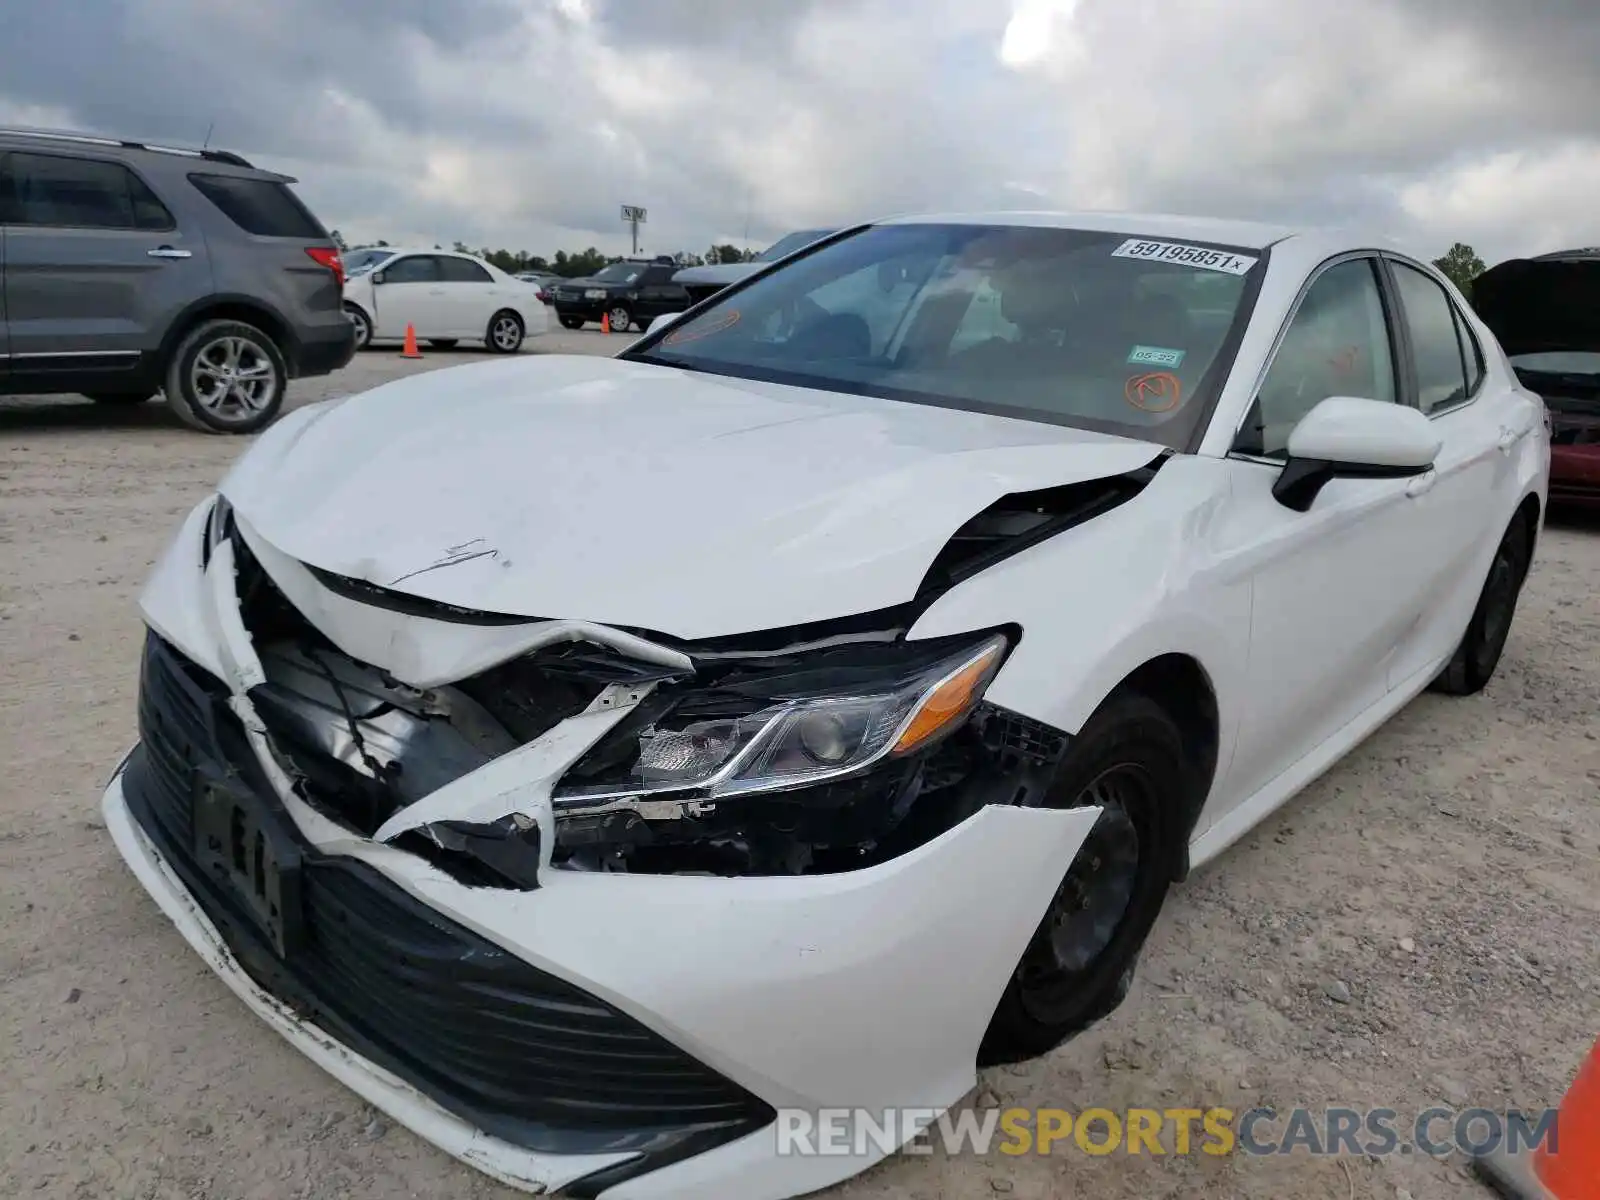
point(525, 123)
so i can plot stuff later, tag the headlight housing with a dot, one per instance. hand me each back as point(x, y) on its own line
point(800, 741)
point(218, 526)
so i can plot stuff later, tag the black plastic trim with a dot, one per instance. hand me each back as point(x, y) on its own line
point(1301, 479)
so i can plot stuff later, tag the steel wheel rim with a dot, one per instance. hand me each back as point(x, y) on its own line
point(1095, 897)
point(233, 378)
point(506, 333)
point(619, 318)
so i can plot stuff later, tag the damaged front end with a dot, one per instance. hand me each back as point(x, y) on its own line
point(832, 749)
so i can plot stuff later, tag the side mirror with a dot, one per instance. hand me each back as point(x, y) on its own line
point(377, 277)
point(1347, 438)
point(662, 321)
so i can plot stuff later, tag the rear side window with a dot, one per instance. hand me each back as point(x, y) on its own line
point(1435, 339)
point(77, 193)
point(1471, 352)
point(263, 207)
point(462, 270)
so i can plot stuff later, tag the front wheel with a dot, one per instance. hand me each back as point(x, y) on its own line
point(1129, 762)
point(363, 325)
point(1476, 658)
point(226, 377)
point(505, 332)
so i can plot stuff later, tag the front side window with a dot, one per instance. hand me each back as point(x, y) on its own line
point(1435, 340)
point(77, 193)
point(1336, 344)
point(1068, 326)
point(414, 268)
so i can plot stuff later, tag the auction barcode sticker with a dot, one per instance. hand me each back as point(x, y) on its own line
point(1189, 256)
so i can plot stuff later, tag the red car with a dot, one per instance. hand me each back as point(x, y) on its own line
point(1546, 313)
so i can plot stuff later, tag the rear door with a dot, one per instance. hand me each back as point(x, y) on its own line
point(658, 294)
point(95, 262)
point(469, 296)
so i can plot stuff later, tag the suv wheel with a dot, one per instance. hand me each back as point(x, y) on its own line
point(226, 377)
point(505, 332)
point(621, 319)
point(362, 324)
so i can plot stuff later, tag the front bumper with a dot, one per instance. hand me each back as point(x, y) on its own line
point(621, 1035)
point(587, 310)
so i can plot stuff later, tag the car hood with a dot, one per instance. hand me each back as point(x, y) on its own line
point(722, 273)
point(639, 495)
point(1537, 305)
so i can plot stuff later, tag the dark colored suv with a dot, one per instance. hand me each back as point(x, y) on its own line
point(631, 290)
point(130, 269)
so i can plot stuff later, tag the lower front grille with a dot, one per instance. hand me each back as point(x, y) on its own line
point(519, 1053)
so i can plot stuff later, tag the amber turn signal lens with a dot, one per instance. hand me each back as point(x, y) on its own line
point(949, 700)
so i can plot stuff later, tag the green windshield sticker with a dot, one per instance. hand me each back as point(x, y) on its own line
point(1156, 356)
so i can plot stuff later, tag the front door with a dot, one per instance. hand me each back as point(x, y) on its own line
point(658, 294)
point(1336, 590)
point(95, 265)
point(411, 292)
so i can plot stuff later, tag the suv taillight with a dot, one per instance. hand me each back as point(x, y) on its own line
point(327, 256)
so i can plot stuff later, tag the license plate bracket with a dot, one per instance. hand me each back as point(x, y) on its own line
point(244, 848)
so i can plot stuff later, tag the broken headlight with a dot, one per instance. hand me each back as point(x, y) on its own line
point(799, 741)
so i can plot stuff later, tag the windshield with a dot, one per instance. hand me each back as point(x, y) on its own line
point(1088, 329)
point(357, 262)
point(785, 246)
point(1559, 362)
point(620, 272)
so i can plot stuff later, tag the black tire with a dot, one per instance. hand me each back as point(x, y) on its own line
point(1484, 641)
point(444, 343)
point(223, 409)
point(363, 324)
point(571, 322)
point(1129, 758)
point(121, 399)
point(621, 319)
point(505, 332)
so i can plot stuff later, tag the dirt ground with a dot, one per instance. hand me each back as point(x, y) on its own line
point(1443, 884)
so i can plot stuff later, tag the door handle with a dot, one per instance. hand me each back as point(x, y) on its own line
point(1422, 483)
point(168, 252)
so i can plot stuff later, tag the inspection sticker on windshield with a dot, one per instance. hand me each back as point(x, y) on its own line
point(1156, 356)
point(1189, 256)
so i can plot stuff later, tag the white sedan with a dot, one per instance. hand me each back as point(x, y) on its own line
point(445, 297)
point(610, 769)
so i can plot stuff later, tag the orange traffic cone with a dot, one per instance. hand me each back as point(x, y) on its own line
point(605, 322)
point(411, 350)
point(1566, 1165)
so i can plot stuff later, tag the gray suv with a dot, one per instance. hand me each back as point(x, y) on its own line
point(130, 269)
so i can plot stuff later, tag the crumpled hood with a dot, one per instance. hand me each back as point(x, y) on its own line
point(640, 495)
point(1537, 305)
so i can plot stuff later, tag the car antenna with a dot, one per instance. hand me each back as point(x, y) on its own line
point(210, 128)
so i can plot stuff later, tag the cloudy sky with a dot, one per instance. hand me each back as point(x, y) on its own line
point(524, 124)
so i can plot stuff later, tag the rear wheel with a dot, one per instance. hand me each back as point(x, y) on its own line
point(1483, 643)
point(121, 399)
point(505, 332)
point(621, 319)
point(226, 377)
point(1129, 762)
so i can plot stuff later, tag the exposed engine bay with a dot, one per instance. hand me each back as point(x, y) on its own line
point(809, 750)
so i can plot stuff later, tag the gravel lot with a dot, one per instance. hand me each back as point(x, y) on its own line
point(1443, 884)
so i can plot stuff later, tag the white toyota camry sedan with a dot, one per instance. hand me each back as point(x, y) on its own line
point(443, 296)
point(611, 765)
